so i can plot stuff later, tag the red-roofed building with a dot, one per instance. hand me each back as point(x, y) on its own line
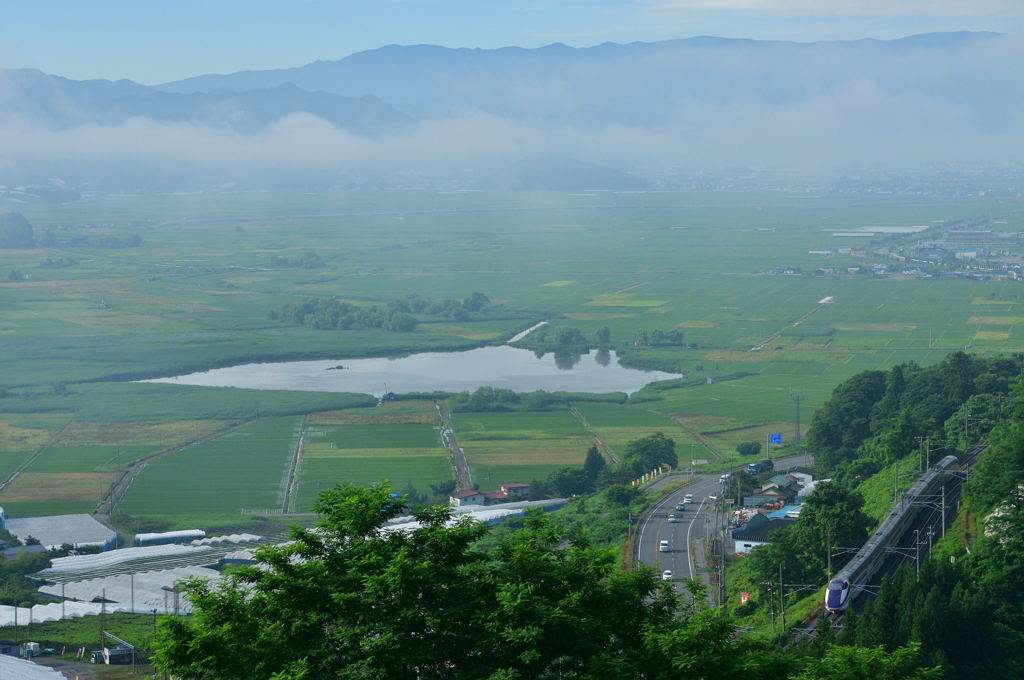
point(508, 492)
point(516, 489)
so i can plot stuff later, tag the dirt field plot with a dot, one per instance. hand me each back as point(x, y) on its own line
point(387, 413)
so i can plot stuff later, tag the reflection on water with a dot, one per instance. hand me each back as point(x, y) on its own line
point(566, 360)
point(506, 367)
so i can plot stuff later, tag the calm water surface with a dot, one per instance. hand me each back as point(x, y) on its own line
point(506, 367)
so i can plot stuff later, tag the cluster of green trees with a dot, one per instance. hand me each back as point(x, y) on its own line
point(449, 308)
point(563, 336)
point(15, 231)
point(877, 417)
point(310, 260)
point(568, 481)
point(486, 398)
point(396, 315)
point(639, 456)
point(660, 338)
point(748, 448)
point(59, 262)
point(330, 313)
point(130, 241)
point(350, 599)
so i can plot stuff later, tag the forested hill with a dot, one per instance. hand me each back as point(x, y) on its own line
point(877, 417)
point(965, 609)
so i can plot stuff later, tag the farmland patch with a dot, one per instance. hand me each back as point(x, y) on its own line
point(995, 320)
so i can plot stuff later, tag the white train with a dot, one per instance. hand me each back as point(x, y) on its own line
point(850, 580)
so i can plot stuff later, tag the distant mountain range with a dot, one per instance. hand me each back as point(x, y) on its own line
point(59, 102)
point(637, 83)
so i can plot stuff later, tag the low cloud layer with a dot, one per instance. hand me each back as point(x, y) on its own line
point(859, 124)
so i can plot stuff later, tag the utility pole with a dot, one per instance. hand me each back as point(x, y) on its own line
point(782, 599)
point(797, 398)
point(917, 551)
point(967, 418)
point(103, 612)
point(943, 510)
point(721, 558)
point(829, 544)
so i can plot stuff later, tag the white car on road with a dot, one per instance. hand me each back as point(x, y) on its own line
point(666, 575)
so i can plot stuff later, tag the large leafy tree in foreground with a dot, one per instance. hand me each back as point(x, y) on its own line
point(352, 598)
point(355, 598)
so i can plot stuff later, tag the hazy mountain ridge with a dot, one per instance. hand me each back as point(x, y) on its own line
point(59, 102)
point(613, 83)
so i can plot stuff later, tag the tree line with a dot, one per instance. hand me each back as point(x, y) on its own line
point(876, 417)
point(328, 313)
point(638, 457)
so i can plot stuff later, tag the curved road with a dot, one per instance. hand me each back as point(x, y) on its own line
point(687, 535)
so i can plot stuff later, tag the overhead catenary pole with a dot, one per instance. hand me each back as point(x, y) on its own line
point(943, 510)
point(782, 599)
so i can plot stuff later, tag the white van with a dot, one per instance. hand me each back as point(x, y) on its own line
point(663, 546)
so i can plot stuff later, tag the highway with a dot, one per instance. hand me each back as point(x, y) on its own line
point(686, 537)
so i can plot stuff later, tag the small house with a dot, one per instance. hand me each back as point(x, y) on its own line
point(516, 489)
point(757, 532)
point(467, 497)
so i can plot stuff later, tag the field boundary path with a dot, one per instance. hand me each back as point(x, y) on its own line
point(459, 462)
point(824, 302)
point(692, 432)
point(294, 466)
point(602, 447)
point(31, 459)
point(118, 489)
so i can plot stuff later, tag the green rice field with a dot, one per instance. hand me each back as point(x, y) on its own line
point(243, 469)
point(519, 447)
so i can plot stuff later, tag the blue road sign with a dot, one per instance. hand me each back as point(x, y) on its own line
point(775, 438)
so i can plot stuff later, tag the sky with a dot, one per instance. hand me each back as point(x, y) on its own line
point(155, 41)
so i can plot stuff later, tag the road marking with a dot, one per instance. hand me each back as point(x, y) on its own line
point(689, 551)
point(640, 539)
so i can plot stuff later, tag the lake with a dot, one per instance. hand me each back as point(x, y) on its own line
point(506, 367)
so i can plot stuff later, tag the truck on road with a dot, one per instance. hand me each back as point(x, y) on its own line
point(763, 465)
